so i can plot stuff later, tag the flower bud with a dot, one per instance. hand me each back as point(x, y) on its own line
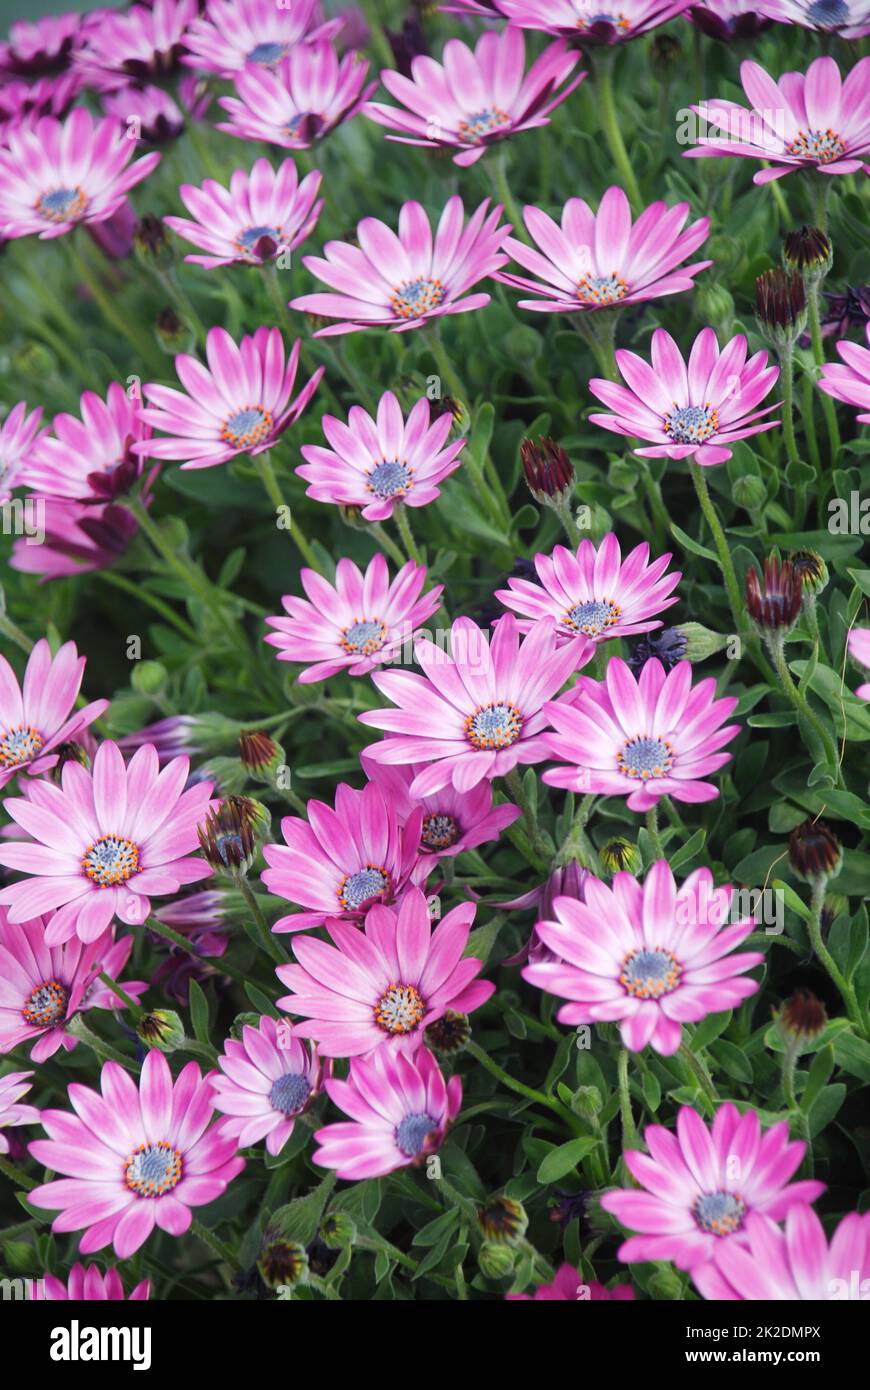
point(495, 1261)
point(809, 252)
point(701, 643)
point(227, 836)
point(151, 243)
point(502, 1220)
point(449, 1033)
point(260, 755)
point(781, 306)
point(282, 1262)
point(775, 604)
point(337, 1230)
point(620, 856)
point(148, 677)
point(161, 1028)
point(749, 492)
point(173, 335)
point(811, 569)
point(548, 470)
point(814, 851)
point(68, 753)
point(801, 1018)
point(586, 1102)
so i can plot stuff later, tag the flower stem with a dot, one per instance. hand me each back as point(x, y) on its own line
point(400, 516)
point(629, 1132)
point(497, 169)
point(283, 510)
point(122, 323)
point(800, 702)
point(520, 1088)
point(577, 844)
point(214, 1244)
point(80, 1030)
point(828, 406)
point(786, 362)
point(814, 927)
point(14, 633)
point(120, 581)
point(261, 934)
point(385, 540)
point(610, 126)
point(652, 826)
point(135, 1009)
point(699, 1071)
point(726, 564)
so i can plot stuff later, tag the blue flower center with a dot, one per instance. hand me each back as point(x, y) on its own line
point(691, 424)
point(593, 616)
point(46, 1005)
point(19, 745)
point(363, 887)
point(601, 290)
point(390, 479)
point(111, 860)
point(644, 758)
point(820, 146)
point(415, 298)
point(248, 427)
point(153, 1169)
point(439, 831)
point(62, 204)
point(494, 726)
point(412, 1133)
point(478, 124)
point(649, 974)
point(246, 241)
point(828, 13)
point(364, 638)
point(618, 21)
point(290, 1093)
point(267, 53)
point(719, 1213)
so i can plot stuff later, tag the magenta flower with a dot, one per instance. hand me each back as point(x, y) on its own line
point(90, 459)
point(475, 99)
point(148, 110)
point(59, 173)
point(358, 624)
point(644, 738)
point(386, 983)
point(143, 42)
point(604, 260)
point(88, 1284)
point(565, 881)
point(22, 103)
point(849, 380)
point(570, 1287)
point(43, 987)
point(582, 21)
point(338, 862)
point(850, 19)
point(594, 594)
point(400, 1109)
point(859, 650)
point(261, 216)
point(37, 716)
point(79, 537)
point(688, 410)
point(650, 958)
point(241, 404)
point(18, 433)
point(791, 1265)
point(133, 1157)
point(377, 464)
point(234, 35)
point(453, 821)
point(39, 47)
point(269, 1078)
point(700, 1185)
point(729, 20)
point(401, 282)
point(476, 711)
point(804, 121)
point(299, 101)
point(13, 1086)
point(104, 842)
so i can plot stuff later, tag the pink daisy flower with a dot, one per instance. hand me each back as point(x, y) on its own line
point(240, 404)
point(143, 42)
point(453, 821)
point(595, 593)
point(18, 433)
point(133, 1157)
point(60, 173)
point(88, 1284)
point(338, 862)
point(650, 958)
point(13, 1086)
point(104, 842)
point(235, 35)
point(400, 1109)
point(386, 983)
point(569, 1287)
point(22, 103)
point(583, 22)
point(268, 1080)
point(700, 1185)
point(90, 459)
point(849, 380)
point(565, 881)
point(261, 216)
point(791, 1265)
point(40, 46)
point(299, 101)
point(850, 19)
point(401, 282)
point(358, 624)
point(603, 260)
point(688, 410)
point(377, 464)
point(149, 110)
point(37, 716)
point(43, 987)
point(475, 99)
point(859, 650)
point(804, 121)
point(728, 20)
point(477, 711)
point(644, 738)
point(79, 537)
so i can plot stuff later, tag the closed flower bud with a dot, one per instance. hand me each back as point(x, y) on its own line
point(495, 1261)
point(668, 646)
point(749, 492)
point(586, 1102)
point(228, 775)
point(68, 753)
point(620, 856)
point(811, 569)
point(666, 1285)
point(173, 334)
point(227, 836)
point(260, 755)
point(161, 1028)
point(716, 306)
point(814, 851)
point(548, 470)
point(665, 56)
point(774, 603)
point(809, 252)
point(502, 1220)
point(282, 1263)
point(701, 643)
point(445, 405)
point(449, 1033)
point(802, 1018)
point(148, 677)
point(151, 242)
point(337, 1230)
point(781, 305)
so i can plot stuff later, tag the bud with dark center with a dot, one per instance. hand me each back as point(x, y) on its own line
point(449, 1033)
point(458, 410)
point(161, 1028)
point(261, 756)
point(811, 570)
point(150, 240)
point(814, 851)
point(226, 836)
point(502, 1220)
point(68, 753)
point(620, 856)
point(282, 1262)
point(781, 305)
point(802, 1018)
point(774, 603)
point(571, 1206)
point(173, 334)
point(665, 56)
point(808, 251)
point(548, 470)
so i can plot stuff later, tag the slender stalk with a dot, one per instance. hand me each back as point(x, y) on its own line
point(385, 540)
point(103, 1050)
point(214, 1244)
point(284, 510)
point(120, 581)
point(610, 126)
point(521, 1089)
point(577, 844)
point(652, 826)
point(629, 1132)
point(814, 927)
point(726, 564)
point(400, 516)
point(496, 167)
point(828, 408)
point(170, 934)
point(14, 633)
point(135, 1009)
point(700, 1073)
point(562, 508)
point(800, 702)
point(786, 362)
point(262, 936)
point(122, 323)
point(185, 570)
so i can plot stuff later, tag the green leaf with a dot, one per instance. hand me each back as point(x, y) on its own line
point(819, 1074)
point(694, 546)
point(825, 1108)
point(565, 1158)
point(198, 1012)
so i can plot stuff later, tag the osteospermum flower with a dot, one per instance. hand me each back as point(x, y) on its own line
point(18, 433)
point(88, 1284)
point(338, 862)
point(386, 983)
point(475, 99)
point(859, 650)
point(602, 260)
point(582, 19)
point(804, 121)
point(476, 711)
point(792, 1264)
point(104, 842)
point(55, 174)
point(358, 624)
point(850, 19)
point(688, 410)
point(22, 103)
point(650, 958)
point(133, 1156)
point(240, 404)
point(148, 112)
point(700, 1185)
point(40, 46)
point(261, 216)
point(143, 42)
point(43, 987)
point(301, 100)
point(728, 20)
point(268, 1080)
point(13, 1086)
point(643, 738)
point(90, 458)
point(232, 35)
point(377, 464)
point(79, 537)
point(594, 593)
point(570, 1287)
point(401, 282)
point(37, 716)
point(400, 1109)
point(849, 380)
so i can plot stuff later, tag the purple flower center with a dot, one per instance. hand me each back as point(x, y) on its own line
point(111, 860)
point(364, 638)
point(46, 1005)
point(494, 726)
point(400, 1009)
point(821, 146)
point(439, 831)
point(643, 758)
point(247, 427)
point(593, 616)
point(246, 241)
point(363, 887)
point(719, 1213)
point(62, 204)
point(390, 479)
point(19, 745)
point(828, 13)
point(267, 53)
point(478, 124)
point(415, 298)
point(649, 974)
point(412, 1133)
point(691, 424)
point(600, 290)
point(289, 1093)
point(153, 1169)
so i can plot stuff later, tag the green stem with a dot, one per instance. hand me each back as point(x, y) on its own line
point(726, 564)
point(120, 581)
point(191, 575)
point(386, 541)
point(828, 407)
point(800, 702)
point(660, 518)
point(170, 934)
point(814, 927)
point(497, 170)
point(629, 1132)
point(521, 1089)
point(122, 323)
point(80, 1030)
point(518, 795)
point(577, 844)
point(786, 361)
point(445, 368)
point(562, 508)
point(214, 1244)
point(652, 826)
point(400, 516)
point(135, 1009)
point(14, 633)
point(262, 936)
point(15, 1173)
point(279, 303)
point(699, 1071)
point(610, 126)
point(283, 509)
